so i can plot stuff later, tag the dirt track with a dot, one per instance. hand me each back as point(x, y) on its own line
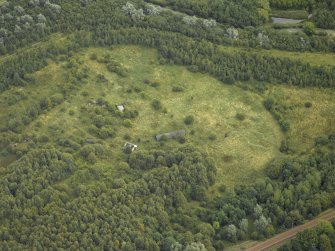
point(279, 239)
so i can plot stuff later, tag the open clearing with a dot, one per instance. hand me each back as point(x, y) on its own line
point(241, 148)
point(306, 123)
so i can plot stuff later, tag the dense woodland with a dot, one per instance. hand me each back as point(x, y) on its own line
point(92, 16)
point(148, 206)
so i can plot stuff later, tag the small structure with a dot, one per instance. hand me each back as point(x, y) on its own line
point(170, 135)
point(129, 146)
point(120, 107)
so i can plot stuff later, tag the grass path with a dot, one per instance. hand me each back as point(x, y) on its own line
point(313, 58)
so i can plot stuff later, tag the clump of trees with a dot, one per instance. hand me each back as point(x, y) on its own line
point(278, 112)
point(151, 9)
point(135, 14)
point(22, 24)
point(232, 33)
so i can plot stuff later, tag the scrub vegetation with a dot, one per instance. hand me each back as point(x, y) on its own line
point(164, 125)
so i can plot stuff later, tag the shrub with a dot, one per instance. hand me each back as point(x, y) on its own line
point(85, 93)
point(156, 104)
point(308, 104)
point(92, 158)
point(127, 123)
point(322, 140)
point(212, 137)
point(181, 140)
point(137, 89)
point(93, 56)
point(163, 138)
point(155, 84)
point(177, 89)
point(240, 116)
point(130, 114)
point(45, 103)
point(309, 28)
point(56, 99)
point(127, 150)
point(43, 139)
point(38, 124)
point(127, 136)
point(98, 121)
point(103, 133)
point(222, 188)
point(261, 87)
point(229, 79)
point(86, 150)
point(284, 125)
point(189, 120)
point(268, 104)
point(283, 147)
point(15, 125)
point(102, 78)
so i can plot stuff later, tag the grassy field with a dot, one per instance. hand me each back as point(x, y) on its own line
point(240, 148)
point(239, 145)
point(306, 123)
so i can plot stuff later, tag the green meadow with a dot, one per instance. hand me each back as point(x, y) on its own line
point(240, 147)
point(230, 123)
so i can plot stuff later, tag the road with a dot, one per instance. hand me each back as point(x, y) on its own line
point(280, 239)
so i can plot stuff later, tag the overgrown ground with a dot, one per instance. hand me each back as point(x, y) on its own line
point(240, 146)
